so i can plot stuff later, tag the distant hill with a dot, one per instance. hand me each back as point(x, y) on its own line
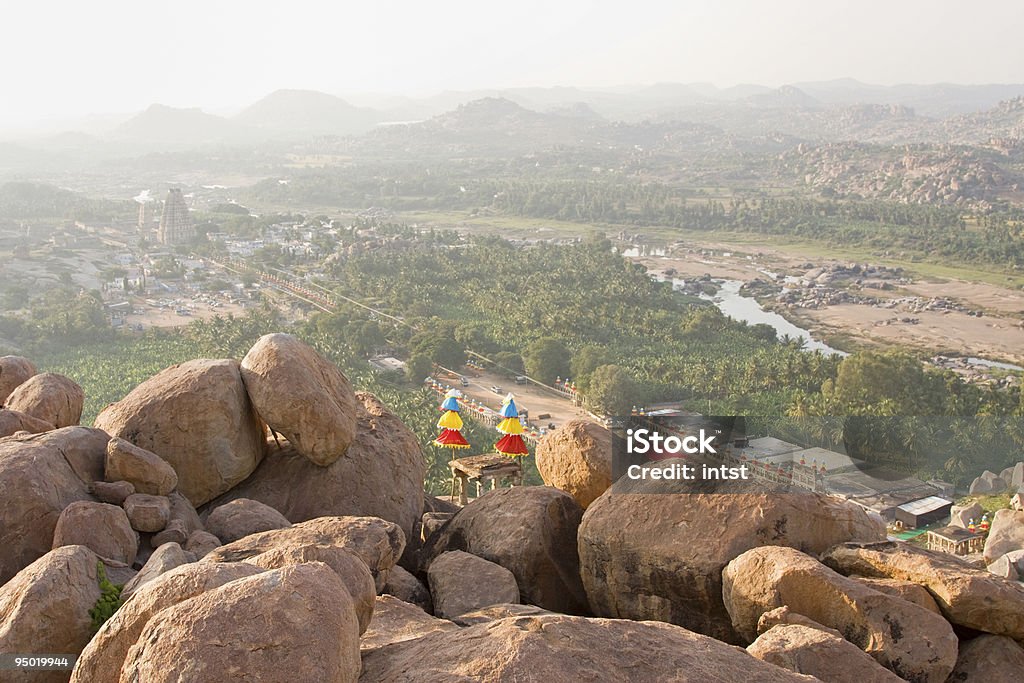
point(936, 100)
point(786, 96)
point(307, 112)
point(163, 124)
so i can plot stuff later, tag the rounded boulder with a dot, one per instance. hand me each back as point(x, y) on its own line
point(301, 395)
point(197, 416)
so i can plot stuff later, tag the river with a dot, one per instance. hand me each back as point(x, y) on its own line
point(729, 301)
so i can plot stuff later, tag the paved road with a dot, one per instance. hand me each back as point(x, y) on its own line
point(531, 397)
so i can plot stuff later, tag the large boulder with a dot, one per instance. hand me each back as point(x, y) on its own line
point(967, 596)
point(529, 530)
point(1005, 535)
point(12, 422)
point(14, 371)
point(381, 475)
point(102, 528)
point(146, 471)
point(961, 515)
point(564, 648)
point(40, 475)
point(376, 542)
point(395, 621)
point(101, 660)
point(988, 483)
point(914, 643)
point(577, 458)
point(198, 417)
point(52, 398)
point(815, 652)
point(44, 609)
point(241, 517)
point(302, 395)
point(989, 658)
point(660, 555)
point(460, 583)
point(291, 624)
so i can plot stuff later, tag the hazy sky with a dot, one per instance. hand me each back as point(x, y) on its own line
point(61, 60)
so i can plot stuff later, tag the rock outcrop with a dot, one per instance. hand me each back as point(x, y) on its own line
point(967, 596)
point(238, 627)
point(460, 583)
point(912, 642)
point(52, 398)
point(529, 530)
point(564, 648)
point(198, 417)
point(45, 609)
point(817, 653)
point(577, 458)
point(14, 371)
point(242, 517)
point(381, 475)
point(302, 395)
point(660, 556)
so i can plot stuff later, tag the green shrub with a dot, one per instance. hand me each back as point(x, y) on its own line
point(109, 601)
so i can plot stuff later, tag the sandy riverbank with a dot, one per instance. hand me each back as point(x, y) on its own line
point(998, 335)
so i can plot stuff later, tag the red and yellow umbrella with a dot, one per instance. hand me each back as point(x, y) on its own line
point(511, 444)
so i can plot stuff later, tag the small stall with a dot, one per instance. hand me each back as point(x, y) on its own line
point(480, 469)
point(955, 540)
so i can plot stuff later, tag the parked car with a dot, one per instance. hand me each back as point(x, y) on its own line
point(496, 389)
point(464, 381)
point(521, 379)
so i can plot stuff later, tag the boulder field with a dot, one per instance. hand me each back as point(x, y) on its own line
point(261, 520)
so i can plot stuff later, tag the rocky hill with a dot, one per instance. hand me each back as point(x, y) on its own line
point(261, 520)
point(942, 175)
